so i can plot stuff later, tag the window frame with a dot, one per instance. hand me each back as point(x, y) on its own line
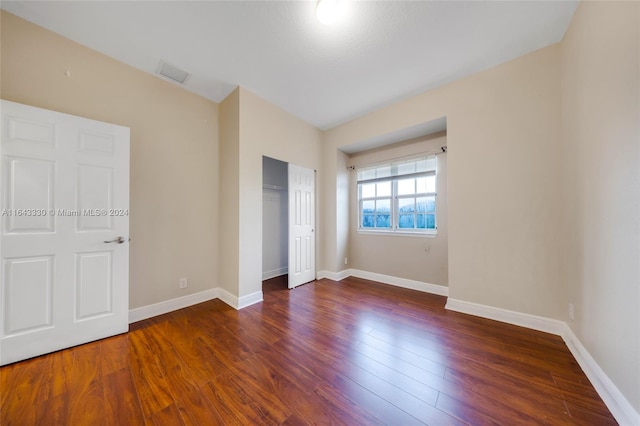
point(395, 198)
point(375, 198)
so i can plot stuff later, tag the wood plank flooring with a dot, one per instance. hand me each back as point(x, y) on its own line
point(346, 353)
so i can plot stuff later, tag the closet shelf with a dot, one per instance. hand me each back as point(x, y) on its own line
point(274, 187)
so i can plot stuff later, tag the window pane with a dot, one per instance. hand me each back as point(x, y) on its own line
point(431, 205)
point(368, 206)
point(426, 204)
point(426, 184)
point(426, 221)
point(422, 185)
point(384, 189)
point(406, 205)
point(383, 221)
point(406, 221)
point(406, 187)
point(421, 204)
point(431, 183)
point(383, 206)
point(368, 190)
point(367, 221)
point(431, 221)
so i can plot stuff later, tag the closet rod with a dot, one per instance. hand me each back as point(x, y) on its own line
point(274, 187)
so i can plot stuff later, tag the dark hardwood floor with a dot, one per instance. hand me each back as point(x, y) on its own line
point(352, 352)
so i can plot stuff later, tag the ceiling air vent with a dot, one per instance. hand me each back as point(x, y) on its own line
point(175, 74)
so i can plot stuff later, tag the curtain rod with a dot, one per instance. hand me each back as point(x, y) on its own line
point(442, 150)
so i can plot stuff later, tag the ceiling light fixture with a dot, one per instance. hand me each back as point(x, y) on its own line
point(329, 11)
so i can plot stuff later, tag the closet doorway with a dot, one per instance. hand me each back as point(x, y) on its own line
point(275, 219)
point(288, 222)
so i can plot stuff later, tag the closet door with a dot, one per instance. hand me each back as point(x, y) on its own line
point(302, 242)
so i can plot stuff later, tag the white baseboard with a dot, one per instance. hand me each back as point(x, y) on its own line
point(228, 298)
point(144, 312)
point(267, 275)
point(149, 311)
point(619, 406)
point(533, 322)
point(401, 282)
point(250, 299)
point(385, 279)
point(239, 302)
point(333, 276)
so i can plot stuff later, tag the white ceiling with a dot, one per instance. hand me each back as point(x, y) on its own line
point(379, 53)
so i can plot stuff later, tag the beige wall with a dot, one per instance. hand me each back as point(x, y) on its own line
point(229, 191)
point(266, 130)
point(341, 212)
point(174, 151)
point(415, 258)
point(331, 250)
point(601, 156)
point(503, 129)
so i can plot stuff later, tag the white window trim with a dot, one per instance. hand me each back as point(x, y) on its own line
point(404, 233)
point(395, 230)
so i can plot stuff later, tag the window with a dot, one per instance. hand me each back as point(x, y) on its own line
point(398, 197)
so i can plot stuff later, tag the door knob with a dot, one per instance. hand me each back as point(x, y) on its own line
point(118, 240)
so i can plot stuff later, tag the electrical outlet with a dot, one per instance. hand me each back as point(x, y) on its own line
point(346, 261)
point(183, 283)
point(572, 313)
point(427, 248)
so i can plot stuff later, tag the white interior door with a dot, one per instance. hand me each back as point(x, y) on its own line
point(302, 241)
point(64, 185)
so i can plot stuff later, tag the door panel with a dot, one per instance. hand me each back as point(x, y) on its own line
point(28, 293)
point(301, 225)
point(64, 195)
point(94, 284)
point(30, 185)
point(30, 131)
point(96, 144)
point(95, 187)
